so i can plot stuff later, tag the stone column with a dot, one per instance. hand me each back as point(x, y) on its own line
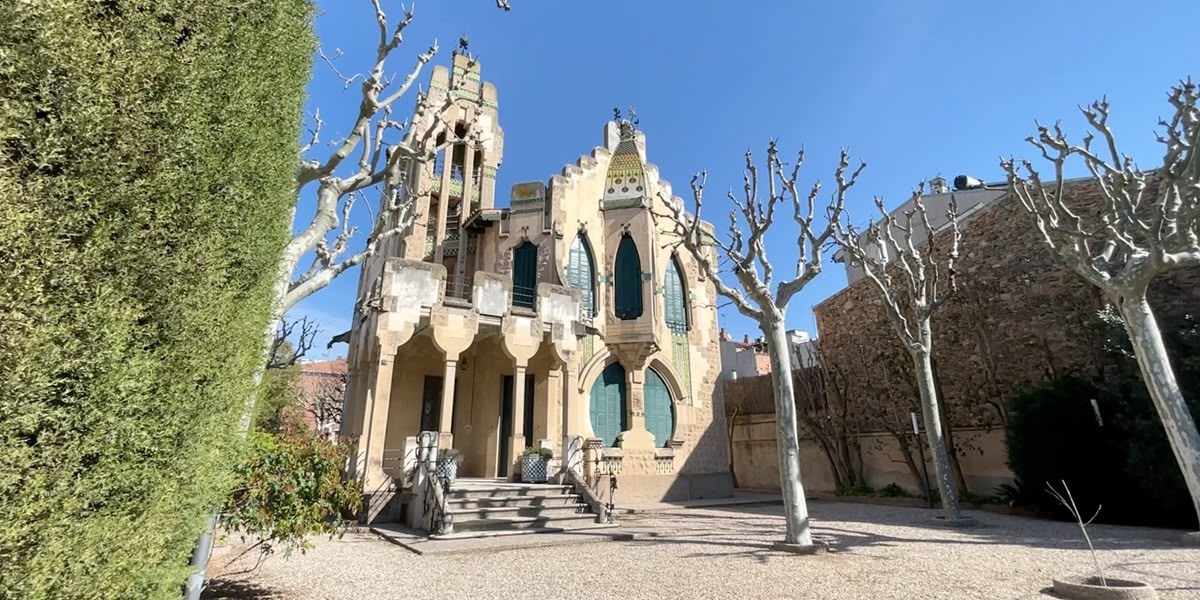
point(439, 240)
point(446, 420)
point(549, 411)
point(635, 357)
point(635, 382)
point(516, 442)
point(464, 211)
point(374, 430)
point(572, 420)
point(521, 337)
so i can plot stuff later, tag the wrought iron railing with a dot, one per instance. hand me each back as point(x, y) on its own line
point(463, 291)
point(434, 487)
point(575, 469)
point(524, 297)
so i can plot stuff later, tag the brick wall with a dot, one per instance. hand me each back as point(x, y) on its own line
point(1020, 317)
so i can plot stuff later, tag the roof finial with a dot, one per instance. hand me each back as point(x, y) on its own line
point(633, 117)
point(616, 114)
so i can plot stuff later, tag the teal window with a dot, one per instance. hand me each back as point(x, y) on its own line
point(627, 280)
point(609, 404)
point(675, 297)
point(524, 275)
point(660, 416)
point(581, 275)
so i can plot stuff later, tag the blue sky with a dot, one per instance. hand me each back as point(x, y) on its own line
point(916, 88)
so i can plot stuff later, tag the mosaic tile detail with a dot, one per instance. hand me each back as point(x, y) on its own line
point(681, 359)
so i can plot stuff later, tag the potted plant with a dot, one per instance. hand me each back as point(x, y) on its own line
point(448, 462)
point(1097, 587)
point(534, 462)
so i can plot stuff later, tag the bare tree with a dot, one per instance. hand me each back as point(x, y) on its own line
point(324, 401)
point(1146, 224)
point(826, 413)
point(907, 273)
point(293, 339)
point(753, 294)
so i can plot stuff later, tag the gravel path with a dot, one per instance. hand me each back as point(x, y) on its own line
point(880, 552)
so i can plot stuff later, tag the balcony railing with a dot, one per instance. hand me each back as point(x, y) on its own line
point(461, 291)
point(524, 297)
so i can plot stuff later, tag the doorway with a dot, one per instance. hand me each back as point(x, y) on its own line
point(431, 403)
point(506, 423)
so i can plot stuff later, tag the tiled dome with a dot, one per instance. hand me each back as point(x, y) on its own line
point(626, 174)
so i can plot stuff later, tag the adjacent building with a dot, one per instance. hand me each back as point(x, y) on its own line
point(748, 358)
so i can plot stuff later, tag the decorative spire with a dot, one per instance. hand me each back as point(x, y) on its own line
point(628, 127)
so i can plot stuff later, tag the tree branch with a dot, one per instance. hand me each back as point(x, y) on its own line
point(1137, 237)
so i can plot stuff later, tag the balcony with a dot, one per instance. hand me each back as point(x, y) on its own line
point(456, 183)
point(461, 293)
point(524, 297)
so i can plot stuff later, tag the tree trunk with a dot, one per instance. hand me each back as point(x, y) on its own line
point(1160, 381)
point(839, 478)
point(795, 506)
point(910, 462)
point(933, 424)
point(847, 460)
point(960, 482)
point(729, 431)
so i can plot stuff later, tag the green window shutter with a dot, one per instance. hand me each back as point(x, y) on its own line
point(581, 274)
point(524, 275)
point(609, 402)
point(628, 275)
point(675, 298)
point(660, 418)
point(528, 422)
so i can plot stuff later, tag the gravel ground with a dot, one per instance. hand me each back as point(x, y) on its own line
point(879, 552)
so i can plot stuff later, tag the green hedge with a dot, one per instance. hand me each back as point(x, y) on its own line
point(147, 157)
point(1122, 463)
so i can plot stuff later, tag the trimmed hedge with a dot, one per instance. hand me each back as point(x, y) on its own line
point(1123, 462)
point(147, 158)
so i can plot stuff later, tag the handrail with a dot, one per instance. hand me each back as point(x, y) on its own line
point(434, 488)
point(574, 455)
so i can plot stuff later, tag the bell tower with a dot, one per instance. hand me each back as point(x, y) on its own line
point(460, 112)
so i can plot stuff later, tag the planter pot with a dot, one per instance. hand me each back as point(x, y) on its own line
point(1089, 588)
point(448, 468)
point(533, 468)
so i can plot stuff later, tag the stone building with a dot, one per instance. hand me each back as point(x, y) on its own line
point(1020, 318)
point(564, 314)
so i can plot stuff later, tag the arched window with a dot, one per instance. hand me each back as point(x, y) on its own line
point(675, 297)
point(581, 274)
point(609, 404)
point(660, 415)
point(524, 277)
point(627, 301)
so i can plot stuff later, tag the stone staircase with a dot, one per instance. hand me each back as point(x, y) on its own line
point(493, 507)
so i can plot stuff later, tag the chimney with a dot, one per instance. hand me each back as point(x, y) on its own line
point(746, 340)
point(724, 335)
point(937, 185)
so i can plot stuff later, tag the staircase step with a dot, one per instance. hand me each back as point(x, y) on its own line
point(494, 533)
point(511, 523)
point(503, 501)
point(462, 515)
point(507, 491)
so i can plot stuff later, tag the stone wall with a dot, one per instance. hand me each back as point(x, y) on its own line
point(756, 460)
point(1019, 319)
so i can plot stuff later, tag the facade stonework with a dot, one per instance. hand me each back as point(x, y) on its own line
point(495, 327)
point(1019, 318)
